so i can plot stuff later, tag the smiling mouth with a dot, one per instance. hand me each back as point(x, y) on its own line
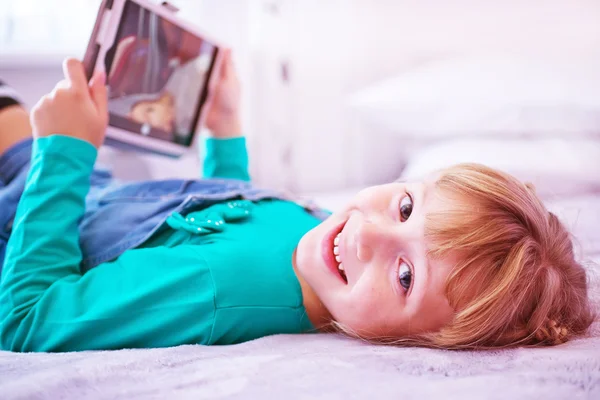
point(336, 254)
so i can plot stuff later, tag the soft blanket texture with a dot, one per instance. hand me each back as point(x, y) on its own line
point(315, 367)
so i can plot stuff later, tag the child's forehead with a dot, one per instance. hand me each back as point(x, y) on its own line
point(430, 193)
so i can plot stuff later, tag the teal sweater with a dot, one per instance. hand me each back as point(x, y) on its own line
point(184, 286)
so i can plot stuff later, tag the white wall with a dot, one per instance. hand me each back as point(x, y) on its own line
point(335, 47)
point(302, 135)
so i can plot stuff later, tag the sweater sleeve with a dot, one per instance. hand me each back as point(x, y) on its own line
point(46, 304)
point(226, 158)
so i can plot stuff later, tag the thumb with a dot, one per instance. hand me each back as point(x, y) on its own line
point(99, 92)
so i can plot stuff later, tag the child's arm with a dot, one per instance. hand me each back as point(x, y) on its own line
point(142, 299)
point(46, 304)
point(225, 158)
point(225, 153)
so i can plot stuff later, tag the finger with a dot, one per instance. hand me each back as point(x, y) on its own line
point(75, 73)
point(99, 92)
point(230, 66)
point(99, 78)
point(64, 84)
point(60, 89)
point(225, 69)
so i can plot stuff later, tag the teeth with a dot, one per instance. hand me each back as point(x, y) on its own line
point(336, 249)
point(336, 253)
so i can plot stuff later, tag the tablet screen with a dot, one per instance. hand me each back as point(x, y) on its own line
point(157, 76)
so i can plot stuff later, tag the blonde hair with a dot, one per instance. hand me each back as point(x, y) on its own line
point(517, 281)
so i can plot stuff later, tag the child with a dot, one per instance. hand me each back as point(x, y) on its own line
point(467, 258)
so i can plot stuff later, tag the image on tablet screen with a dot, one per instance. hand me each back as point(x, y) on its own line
point(157, 76)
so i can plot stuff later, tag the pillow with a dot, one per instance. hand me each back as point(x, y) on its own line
point(485, 96)
point(555, 167)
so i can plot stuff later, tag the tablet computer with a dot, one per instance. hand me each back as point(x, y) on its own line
point(159, 74)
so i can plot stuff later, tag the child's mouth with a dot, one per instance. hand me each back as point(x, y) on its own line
point(329, 247)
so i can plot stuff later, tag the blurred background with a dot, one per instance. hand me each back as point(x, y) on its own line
point(339, 94)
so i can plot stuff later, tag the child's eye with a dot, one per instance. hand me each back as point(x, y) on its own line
point(405, 276)
point(406, 206)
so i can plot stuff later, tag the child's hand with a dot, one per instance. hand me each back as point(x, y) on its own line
point(223, 117)
point(73, 108)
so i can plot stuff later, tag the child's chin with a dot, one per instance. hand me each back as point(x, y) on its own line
point(306, 250)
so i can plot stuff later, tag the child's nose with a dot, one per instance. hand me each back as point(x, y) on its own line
point(374, 236)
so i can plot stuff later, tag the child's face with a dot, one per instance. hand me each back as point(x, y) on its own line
point(159, 114)
point(392, 288)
